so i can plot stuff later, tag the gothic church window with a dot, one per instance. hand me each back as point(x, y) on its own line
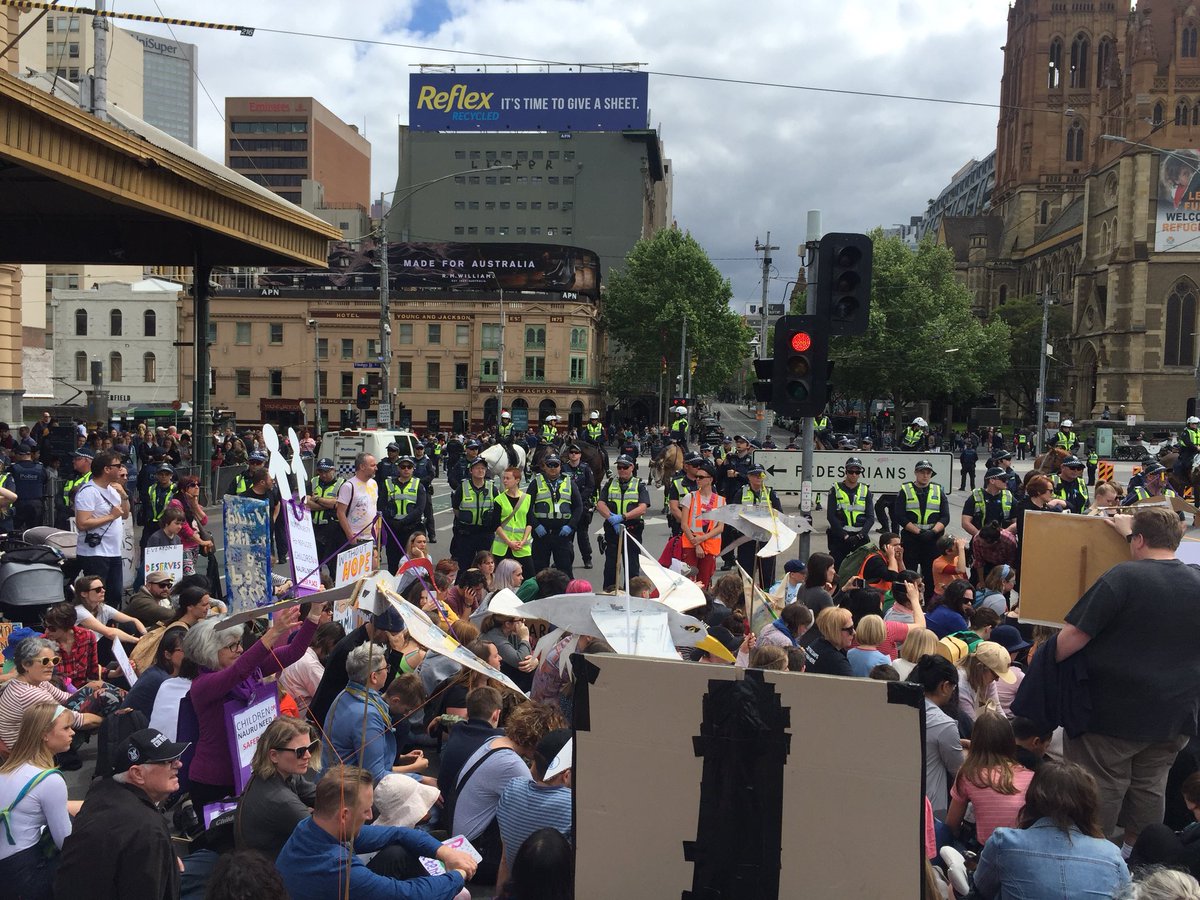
point(1179, 339)
point(1187, 42)
point(1159, 113)
point(1104, 58)
point(1075, 141)
point(1181, 111)
point(1079, 61)
point(1054, 78)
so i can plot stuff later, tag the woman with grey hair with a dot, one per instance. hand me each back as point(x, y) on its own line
point(508, 574)
point(35, 659)
point(227, 674)
point(361, 705)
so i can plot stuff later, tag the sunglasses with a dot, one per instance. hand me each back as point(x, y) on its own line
point(624, 467)
point(50, 660)
point(405, 466)
point(1129, 537)
point(551, 465)
point(849, 629)
point(306, 750)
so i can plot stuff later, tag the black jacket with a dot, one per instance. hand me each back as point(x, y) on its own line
point(119, 848)
point(1054, 693)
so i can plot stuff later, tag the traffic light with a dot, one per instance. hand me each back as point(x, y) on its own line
point(764, 369)
point(844, 282)
point(364, 396)
point(800, 367)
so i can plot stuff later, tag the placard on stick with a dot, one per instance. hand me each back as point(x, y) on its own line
point(1061, 557)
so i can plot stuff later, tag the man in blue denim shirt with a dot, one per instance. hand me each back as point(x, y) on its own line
point(319, 858)
point(1139, 634)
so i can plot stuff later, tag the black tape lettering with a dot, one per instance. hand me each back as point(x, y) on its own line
point(586, 673)
point(907, 693)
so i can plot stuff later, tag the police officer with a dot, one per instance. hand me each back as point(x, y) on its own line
point(387, 467)
point(557, 508)
point(755, 493)
point(1189, 449)
point(462, 468)
point(991, 504)
point(585, 480)
point(677, 492)
point(921, 512)
point(851, 512)
point(822, 431)
point(1022, 443)
point(425, 470)
point(504, 431)
point(1154, 484)
point(158, 495)
point(1065, 439)
point(472, 500)
point(914, 435)
point(623, 502)
point(1093, 460)
point(322, 500)
point(403, 509)
point(8, 497)
point(29, 483)
point(254, 463)
point(593, 431)
point(81, 466)
point(1069, 485)
point(733, 472)
point(1012, 480)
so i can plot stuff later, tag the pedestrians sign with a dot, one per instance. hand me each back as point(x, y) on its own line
point(367, 365)
point(883, 472)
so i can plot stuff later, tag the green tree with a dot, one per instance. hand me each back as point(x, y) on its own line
point(1024, 319)
point(924, 342)
point(667, 279)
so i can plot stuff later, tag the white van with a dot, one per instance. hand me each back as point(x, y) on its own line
point(343, 446)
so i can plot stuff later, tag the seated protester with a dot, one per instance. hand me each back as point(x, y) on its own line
point(827, 655)
point(820, 581)
point(1008, 637)
point(35, 659)
point(510, 634)
point(1033, 742)
point(449, 703)
point(483, 717)
point(320, 860)
point(786, 589)
point(997, 587)
point(1158, 844)
point(951, 562)
point(167, 663)
point(76, 646)
point(194, 605)
point(993, 546)
point(943, 748)
point(466, 596)
point(1057, 842)
point(990, 780)
point(488, 771)
point(903, 608)
point(770, 657)
point(404, 802)
point(358, 728)
point(544, 801)
point(977, 677)
point(948, 612)
point(239, 875)
point(278, 797)
point(868, 601)
point(436, 668)
point(378, 629)
point(120, 846)
point(151, 603)
point(869, 634)
point(543, 867)
point(92, 612)
point(920, 642)
point(405, 696)
point(301, 679)
point(35, 796)
point(546, 583)
point(787, 630)
point(169, 528)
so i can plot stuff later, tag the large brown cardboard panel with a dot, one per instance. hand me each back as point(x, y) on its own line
point(1061, 557)
point(852, 779)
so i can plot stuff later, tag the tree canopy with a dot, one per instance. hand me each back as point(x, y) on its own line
point(667, 279)
point(1024, 319)
point(925, 341)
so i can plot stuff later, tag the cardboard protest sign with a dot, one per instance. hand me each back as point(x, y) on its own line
point(771, 777)
point(245, 723)
point(333, 595)
point(1061, 557)
point(1177, 503)
point(163, 559)
point(122, 658)
point(247, 527)
point(302, 544)
point(353, 564)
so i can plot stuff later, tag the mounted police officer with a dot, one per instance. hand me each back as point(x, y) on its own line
point(623, 502)
point(914, 435)
point(403, 508)
point(822, 430)
point(679, 428)
point(504, 430)
point(81, 466)
point(755, 493)
point(991, 504)
point(557, 509)
point(549, 432)
point(585, 480)
point(472, 500)
point(593, 431)
point(921, 513)
point(322, 500)
point(425, 470)
point(851, 512)
point(1069, 485)
point(1189, 449)
point(1065, 439)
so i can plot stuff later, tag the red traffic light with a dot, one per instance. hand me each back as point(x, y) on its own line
point(801, 341)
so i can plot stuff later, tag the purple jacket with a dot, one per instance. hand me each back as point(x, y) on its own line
point(211, 763)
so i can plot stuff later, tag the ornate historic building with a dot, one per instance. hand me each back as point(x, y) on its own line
point(1096, 152)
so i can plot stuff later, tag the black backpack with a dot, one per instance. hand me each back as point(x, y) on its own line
point(113, 730)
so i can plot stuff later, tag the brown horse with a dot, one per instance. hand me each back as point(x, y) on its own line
point(667, 463)
point(1168, 456)
point(1051, 461)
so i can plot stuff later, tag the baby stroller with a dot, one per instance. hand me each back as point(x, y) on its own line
point(33, 574)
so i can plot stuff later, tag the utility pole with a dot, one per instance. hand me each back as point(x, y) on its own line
point(100, 64)
point(760, 412)
point(812, 242)
point(385, 328)
point(682, 360)
point(1041, 395)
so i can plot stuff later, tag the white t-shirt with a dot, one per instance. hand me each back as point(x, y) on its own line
point(100, 502)
point(361, 499)
point(104, 615)
point(46, 805)
point(164, 715)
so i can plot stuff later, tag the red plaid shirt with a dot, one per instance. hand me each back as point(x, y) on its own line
point(79, 664)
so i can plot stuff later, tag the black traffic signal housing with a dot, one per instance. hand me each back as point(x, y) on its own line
point(844, 282)
point(800, 367)
point(363, 399)
point(764, 371)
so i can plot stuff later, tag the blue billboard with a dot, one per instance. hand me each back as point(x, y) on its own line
point(534, 101)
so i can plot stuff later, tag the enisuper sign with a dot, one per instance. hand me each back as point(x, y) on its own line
point(884, 472)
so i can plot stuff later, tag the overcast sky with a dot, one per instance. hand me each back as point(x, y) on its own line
point(747, 158)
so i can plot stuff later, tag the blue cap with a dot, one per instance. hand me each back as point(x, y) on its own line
point(477, 461)
point(324, 464)
point(164, 469)
point(84, 453)
point(256, 456)
point(406, 459)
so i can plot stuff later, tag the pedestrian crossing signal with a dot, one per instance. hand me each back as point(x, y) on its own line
point(364, 396)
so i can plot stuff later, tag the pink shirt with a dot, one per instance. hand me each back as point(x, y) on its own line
point(992, 809)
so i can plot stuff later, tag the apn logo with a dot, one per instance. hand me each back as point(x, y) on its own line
point(458, 97)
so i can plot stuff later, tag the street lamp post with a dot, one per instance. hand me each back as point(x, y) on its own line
point(316, 327)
